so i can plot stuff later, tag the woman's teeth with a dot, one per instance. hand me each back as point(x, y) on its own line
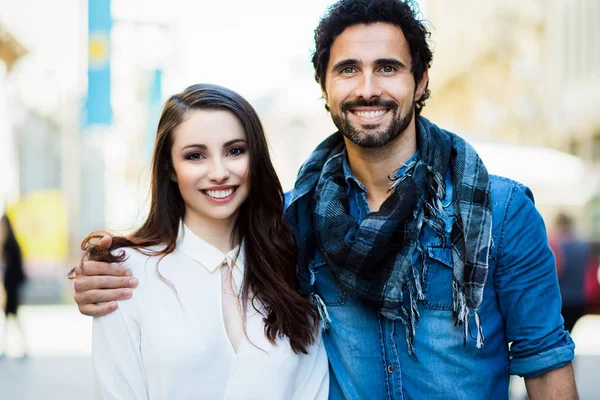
point(219, 194)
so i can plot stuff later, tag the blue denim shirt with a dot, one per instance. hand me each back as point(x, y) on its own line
point(520, 314)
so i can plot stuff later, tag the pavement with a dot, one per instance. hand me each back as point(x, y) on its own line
point(41, 377)
point(59, 365)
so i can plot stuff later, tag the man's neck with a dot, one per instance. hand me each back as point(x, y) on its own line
point(373, 167)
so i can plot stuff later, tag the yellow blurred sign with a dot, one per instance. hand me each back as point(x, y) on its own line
point(98, 48)
point(40, 224)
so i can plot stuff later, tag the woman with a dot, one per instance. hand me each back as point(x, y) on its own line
point(215, 314)
point(14, 278)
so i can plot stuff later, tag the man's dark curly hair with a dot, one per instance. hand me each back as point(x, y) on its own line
point(347, 13)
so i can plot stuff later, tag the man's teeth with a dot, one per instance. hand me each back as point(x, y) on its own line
point(370, 114)
point(219, 194)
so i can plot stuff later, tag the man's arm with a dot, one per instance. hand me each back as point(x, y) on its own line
point(528, 295)
point(553, 385)
point(99, 282)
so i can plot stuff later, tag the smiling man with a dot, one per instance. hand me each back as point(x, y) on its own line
point(433, 278)
point(426, 267)
point(357, 77)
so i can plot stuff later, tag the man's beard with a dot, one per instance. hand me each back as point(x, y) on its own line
point(375, 139)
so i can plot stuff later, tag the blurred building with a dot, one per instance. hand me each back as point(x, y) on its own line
point(525, 73)
point(295, 119)
point(11, 50)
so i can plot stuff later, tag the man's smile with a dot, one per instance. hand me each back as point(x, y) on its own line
point(369, 115)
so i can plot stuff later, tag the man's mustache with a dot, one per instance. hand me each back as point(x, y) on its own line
point(347, 105)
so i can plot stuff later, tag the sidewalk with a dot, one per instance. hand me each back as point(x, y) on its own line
point(59, 364)
point(52, 378)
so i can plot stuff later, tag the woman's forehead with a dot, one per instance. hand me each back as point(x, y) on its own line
point(209, 127)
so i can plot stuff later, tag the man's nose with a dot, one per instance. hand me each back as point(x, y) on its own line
point(368, 86)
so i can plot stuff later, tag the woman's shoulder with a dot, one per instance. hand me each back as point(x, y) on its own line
point(138, 258)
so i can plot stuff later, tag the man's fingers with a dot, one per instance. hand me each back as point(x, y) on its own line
point(92, 268)
point(101, 296)
point(105, 242)
point(86, 283)
point(98, 310)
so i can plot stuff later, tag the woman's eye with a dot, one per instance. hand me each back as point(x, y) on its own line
point(236, 151)
point(194, 156)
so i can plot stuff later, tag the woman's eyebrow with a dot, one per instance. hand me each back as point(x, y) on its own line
point(200, 146)
point(234, 141)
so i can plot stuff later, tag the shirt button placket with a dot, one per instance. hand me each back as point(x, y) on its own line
point(391, 357)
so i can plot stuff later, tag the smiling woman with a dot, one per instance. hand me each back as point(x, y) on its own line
point(221, 317)
point(211, 165)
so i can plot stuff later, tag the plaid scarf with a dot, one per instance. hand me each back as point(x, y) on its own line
point(373, 260)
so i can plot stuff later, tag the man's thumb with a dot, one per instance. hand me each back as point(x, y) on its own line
point(106, 242)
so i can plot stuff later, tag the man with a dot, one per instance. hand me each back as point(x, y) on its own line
point(576, 268)
point(424, 267)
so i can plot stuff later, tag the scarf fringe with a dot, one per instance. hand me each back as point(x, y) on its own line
point(480, 340)
point(418, 276)
point(412, 317)
point(322, 310)
point(434, 208)
point(462, 313)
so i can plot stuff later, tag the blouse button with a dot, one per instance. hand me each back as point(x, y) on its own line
point(390, 368)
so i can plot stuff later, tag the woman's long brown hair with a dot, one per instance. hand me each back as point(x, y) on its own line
point(270, 247)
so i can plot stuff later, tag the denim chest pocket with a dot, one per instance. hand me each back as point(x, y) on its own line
point(327, 285)
point(438, 275)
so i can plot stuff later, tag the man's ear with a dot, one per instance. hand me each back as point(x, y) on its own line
point(324, 95)
point(422, 85)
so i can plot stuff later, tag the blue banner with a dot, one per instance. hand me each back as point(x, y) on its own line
point(154, 108)
point(98, 108)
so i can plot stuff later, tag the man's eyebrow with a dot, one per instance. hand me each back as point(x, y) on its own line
point(389, 61)
point(345, 63)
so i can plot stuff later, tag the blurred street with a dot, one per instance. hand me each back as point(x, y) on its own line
point(59, 365)
point(65, 378)
point(83, 83)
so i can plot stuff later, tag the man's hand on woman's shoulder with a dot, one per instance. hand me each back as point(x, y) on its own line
point(98, 285)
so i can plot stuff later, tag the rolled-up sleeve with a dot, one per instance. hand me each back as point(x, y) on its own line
point(527, 287)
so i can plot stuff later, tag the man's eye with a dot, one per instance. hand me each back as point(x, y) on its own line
point(347, 70)
point(388, 69)
point(194, 156)
point(236, 151)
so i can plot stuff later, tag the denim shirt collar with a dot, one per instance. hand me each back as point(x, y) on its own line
point(351, 180)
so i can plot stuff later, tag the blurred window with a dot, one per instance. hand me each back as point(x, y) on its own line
point(596, 147)
point(574, 147)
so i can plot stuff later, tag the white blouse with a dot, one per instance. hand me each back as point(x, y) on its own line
point(165, 345)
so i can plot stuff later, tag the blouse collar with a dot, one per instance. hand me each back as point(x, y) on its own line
point(205, 253)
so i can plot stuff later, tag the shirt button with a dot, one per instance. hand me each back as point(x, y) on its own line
point(390, 368)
